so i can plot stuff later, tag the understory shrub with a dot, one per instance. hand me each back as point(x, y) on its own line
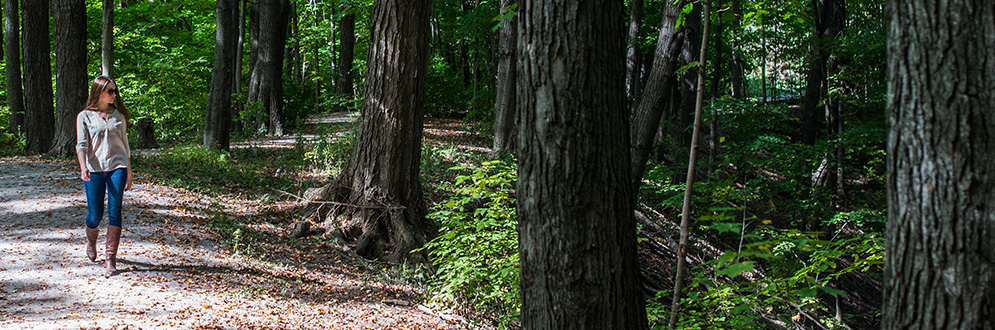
point(476, 251)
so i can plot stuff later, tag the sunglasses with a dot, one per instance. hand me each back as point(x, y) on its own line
point(112, 91)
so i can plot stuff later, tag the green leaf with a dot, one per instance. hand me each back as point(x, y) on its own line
point(736, 269)
point(834, 292)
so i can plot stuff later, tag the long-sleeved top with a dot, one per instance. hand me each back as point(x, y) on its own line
point(104, 142)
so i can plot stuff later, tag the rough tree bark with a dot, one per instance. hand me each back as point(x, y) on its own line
point(380, 182)
point(505, 111)
point(829, 20)
point(940, 255)
point(39, 117)
point(575, 204)
point(107, 39)
point(273, 17)
point(661, 80)
point(70, 73)
point(12, 58)
point(218, 115)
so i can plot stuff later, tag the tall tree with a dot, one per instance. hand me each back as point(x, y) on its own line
point(39, 117)
point(505, 111)
point(692, 159)
point(633, 57)
point(295, 50)
point(681, 117)
point(107, 39)
point(347, 52)
point(380, 182)
point(269, 31)
point(217, 129)
point(236, 85)
point(830, 17)
point(70, 73)
point(12, 60)
point(737, 70)
point(577, 232)
point(940, 255)
point(646, 119)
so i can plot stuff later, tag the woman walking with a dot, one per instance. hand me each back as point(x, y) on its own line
point(104, 164)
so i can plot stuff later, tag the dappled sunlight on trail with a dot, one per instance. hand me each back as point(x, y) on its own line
point(174, 273)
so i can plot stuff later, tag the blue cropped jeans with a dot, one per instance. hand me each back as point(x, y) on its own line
point(112, 184)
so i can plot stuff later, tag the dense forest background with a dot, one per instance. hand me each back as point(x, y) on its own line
point(789, 205)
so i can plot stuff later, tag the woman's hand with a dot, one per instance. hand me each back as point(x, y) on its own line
point(127, 182)
point(84, 174)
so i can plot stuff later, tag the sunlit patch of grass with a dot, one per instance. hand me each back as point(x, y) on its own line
point(249, 170)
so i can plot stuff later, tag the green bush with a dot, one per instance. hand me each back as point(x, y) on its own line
point(476, 251)
point(327, 152)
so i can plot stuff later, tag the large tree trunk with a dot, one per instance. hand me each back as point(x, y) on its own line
point(381, 179)
point(107, 39)
point(295, 31)
point(830, 17)
point(253, 84)
point(577, 232)
point(682, 117)
point(505, 111)
point(266, 81)
point(238, 103)
point(940, 256)
point(347, 52)
point(12, 57)
point(39, 121)
point(661, 80)
point(70, 74)
point(217, 128)
point(268, 37)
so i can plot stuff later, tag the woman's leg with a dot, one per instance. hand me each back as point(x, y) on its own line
point(115, 194)
point(95, 211)
point(95, 190)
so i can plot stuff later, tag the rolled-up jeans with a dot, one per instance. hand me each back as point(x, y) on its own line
point(110, 183)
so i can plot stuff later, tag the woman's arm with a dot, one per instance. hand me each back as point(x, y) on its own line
point(82, 146)
point(127, 146)
point(84, 173)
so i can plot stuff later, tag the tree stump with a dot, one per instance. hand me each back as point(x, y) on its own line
point(146, 134)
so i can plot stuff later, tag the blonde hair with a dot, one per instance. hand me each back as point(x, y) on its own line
point(98, 86)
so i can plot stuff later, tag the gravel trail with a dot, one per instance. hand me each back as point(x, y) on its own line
point(172, 274)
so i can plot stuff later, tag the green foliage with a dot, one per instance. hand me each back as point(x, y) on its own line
point(10, 144)
point(206, 170)
point(235, 235)
point(327, 152)
point(788, 245)
point(164, 56)
point(476, 251)
point(463, 64)
point(731, 292)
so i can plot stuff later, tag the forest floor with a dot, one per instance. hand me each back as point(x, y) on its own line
point(178, 270)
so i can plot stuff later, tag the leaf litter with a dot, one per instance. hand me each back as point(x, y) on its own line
point(176, 270)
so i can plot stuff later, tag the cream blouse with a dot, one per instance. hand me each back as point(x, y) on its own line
point(104, 142)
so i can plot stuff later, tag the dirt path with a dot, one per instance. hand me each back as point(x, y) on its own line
point(173, 274)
